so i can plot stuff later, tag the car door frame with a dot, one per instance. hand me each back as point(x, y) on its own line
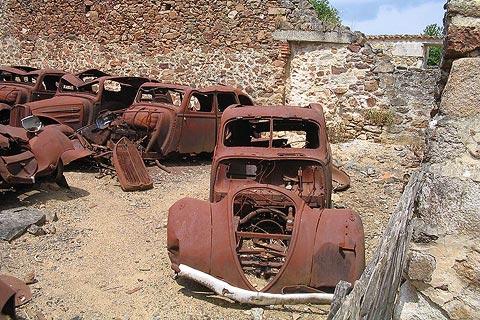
point(192, 127)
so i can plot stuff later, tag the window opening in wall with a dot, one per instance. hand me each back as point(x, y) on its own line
point(433, 56)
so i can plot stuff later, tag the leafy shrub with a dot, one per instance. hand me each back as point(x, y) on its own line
point(326, 12)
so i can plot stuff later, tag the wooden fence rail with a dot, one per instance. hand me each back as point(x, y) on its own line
point(373, 295)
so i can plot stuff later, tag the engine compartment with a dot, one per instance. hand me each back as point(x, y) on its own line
point(302, 177)
point(264, 223)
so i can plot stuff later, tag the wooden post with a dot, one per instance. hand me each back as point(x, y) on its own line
point(373, 296)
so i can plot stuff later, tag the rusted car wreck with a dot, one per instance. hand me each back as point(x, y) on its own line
point(25, 84)
point(78, 104)
point(35, 152)
point(168, 119)
point(268, 235)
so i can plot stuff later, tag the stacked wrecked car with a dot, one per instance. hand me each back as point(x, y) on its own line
point(25, 84)
point(268, 235)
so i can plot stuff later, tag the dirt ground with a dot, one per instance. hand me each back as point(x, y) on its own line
point(107, 259)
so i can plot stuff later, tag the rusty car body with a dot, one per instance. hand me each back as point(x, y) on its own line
point(169, 118)
point(20, 85)
point(268, 235)
point(78, 104)
point(7, 300)
point(29, 156)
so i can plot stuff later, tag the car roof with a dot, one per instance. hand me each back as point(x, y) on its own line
point(312, 112)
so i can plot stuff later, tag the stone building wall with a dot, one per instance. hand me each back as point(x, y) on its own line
point(443, 272)
point(192, 42)
point(199, 44)
point(407, 51)
point(405, 54)
point(364, 95)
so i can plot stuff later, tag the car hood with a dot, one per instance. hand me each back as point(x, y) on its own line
point(9, 92)
point(57, 102)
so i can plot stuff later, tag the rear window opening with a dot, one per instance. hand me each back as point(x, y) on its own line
point(279, 133)
point(225, 100)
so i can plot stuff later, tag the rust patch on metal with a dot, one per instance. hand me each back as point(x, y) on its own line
point(21, 290)
point(269, 225)
point(131, 171)
point(7, 300)
point(27, 157)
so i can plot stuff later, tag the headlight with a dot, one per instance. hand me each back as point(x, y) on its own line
point(32, 124)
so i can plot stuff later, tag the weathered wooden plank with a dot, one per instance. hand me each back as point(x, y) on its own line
point(341, 291)
point(373, 295)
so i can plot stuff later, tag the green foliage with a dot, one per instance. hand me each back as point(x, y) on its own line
point(380, 117)
point(433, 30)
point(434, 53)
point(326, 12)
point(434, 56)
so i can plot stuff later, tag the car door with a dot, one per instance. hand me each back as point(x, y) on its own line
point(198, 124)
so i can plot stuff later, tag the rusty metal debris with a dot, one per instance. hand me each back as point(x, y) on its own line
point(27, 157)
point(131, 171)
point(269, 227)
point(13, 293)
point(7, 300)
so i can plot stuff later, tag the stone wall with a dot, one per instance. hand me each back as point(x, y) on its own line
point(364, 95)
point(407, 51)
point(191, 42)
point(196, 43)
point(443, 273)
point(407, 54)
point(462, 35)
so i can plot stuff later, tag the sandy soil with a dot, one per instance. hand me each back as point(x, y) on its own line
point(107, 257)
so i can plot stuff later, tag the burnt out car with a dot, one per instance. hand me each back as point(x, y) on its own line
point(78, 104)
point(166, 119)
point(268, 235)
point(35, 152)
point(25, 84)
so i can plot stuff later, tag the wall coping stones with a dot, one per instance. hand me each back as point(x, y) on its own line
point(314, 36)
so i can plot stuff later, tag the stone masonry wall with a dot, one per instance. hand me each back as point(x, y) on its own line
point(199, 44)
point(364, 95)
point(443, 271)
point(191, 42)
point(410, 55)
